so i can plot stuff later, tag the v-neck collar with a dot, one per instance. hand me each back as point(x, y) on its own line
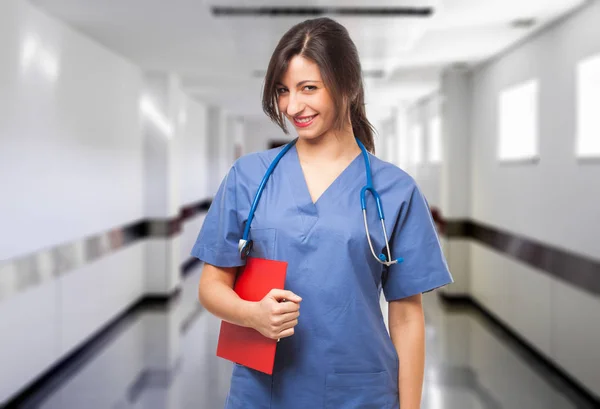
point(301, 186)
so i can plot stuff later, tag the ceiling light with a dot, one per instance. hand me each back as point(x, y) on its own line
point(221, 11)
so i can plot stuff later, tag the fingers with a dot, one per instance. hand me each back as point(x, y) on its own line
point(282, 331)
point(281, 326)
point(280, 295)
point(286, 333)
point(286, 308)
point(283, 318)
point(288, 325)
point(283, 312)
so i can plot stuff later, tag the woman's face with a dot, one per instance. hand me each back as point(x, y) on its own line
point(304, 100)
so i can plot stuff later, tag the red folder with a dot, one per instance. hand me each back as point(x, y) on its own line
point(243, 345)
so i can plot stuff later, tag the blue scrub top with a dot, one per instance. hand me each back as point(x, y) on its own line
point(341, 355)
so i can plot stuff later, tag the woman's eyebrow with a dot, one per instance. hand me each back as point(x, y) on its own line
point(298, 84)
point(305, 81)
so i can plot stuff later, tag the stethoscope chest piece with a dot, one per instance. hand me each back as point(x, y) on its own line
point(245, 248)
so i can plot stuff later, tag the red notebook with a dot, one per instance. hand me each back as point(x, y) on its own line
point(243, 345)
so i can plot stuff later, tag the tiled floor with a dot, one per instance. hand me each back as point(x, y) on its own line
point(164, 358)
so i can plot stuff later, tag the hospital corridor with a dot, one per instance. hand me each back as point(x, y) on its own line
point(136, 141)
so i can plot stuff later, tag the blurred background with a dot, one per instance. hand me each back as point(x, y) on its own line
point(118, 120)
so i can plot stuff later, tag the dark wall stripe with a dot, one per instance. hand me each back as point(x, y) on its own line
point(30, 270)
point(188, 266)
point(578, 270)
point(94, 247)
point(170, 227)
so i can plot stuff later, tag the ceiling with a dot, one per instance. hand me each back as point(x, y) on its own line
point(218, 56)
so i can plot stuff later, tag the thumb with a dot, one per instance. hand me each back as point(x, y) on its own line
point(279, 295)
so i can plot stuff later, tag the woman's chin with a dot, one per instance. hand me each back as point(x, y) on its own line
point(308, 135)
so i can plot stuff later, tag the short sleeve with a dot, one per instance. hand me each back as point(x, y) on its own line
point(415, 240)
point(217, 242)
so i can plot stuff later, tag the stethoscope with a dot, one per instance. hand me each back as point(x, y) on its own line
point(245, 245)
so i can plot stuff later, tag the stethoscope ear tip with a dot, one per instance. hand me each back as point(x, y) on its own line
point(383, 258)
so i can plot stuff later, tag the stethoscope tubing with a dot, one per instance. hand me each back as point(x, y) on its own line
point(245, 246)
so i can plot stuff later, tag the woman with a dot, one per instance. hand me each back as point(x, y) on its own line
point(334, 349)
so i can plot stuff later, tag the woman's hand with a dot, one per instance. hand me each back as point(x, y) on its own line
point(276, 315)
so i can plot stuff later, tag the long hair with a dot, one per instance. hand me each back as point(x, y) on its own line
point(328, 44)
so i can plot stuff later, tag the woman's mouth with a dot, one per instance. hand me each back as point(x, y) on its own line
point(304, 121)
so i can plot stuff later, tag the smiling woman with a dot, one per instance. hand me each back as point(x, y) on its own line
point(306, 204)
point(306, 103)
point(316, 66)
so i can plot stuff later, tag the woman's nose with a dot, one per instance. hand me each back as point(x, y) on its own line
point(295, 105)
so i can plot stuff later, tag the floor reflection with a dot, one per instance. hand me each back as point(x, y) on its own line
point(164, 358)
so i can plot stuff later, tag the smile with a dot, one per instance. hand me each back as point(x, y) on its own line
point(304, 121)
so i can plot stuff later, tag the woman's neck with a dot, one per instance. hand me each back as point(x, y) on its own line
point(329, 147)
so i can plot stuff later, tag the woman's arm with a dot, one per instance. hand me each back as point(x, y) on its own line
point(407, 330)
point(270, 316)
point(216, 294)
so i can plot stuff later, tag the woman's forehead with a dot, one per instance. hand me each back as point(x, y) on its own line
point(301, 69)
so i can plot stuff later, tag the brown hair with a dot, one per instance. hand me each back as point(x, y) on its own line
point(328, 44)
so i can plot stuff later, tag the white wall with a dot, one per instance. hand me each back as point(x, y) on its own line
point(426, 174)
point(554, 201)
point(193, 157)
point(78, 159)
point(456, 169)
point(193, 153)
point(225, 147)
point(213, 164)
point(207, 150)
point(558, 188)
point(258, 132)
point(71, 166)
point(385, 139)
point(57, 132)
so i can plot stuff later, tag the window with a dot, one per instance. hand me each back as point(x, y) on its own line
point(435, 140)
point(518, 122)
point(588, 101)
point(417, 143)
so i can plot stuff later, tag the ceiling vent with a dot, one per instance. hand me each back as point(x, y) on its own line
point(229, 11)
point(366, 74)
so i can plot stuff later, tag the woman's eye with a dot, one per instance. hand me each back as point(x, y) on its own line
point(310, 88)
point(280, 90)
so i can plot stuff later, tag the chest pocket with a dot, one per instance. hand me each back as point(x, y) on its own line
point(263, 241)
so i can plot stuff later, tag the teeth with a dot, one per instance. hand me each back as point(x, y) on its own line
point(305, 120)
